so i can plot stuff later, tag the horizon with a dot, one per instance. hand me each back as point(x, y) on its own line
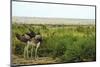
point(52, 17)
point(45, 20)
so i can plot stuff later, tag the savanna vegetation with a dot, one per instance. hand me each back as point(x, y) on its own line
point(62, 43)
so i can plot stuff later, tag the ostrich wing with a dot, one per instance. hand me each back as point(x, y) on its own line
point(23, 38)
point(27, 36)
point(38, 38)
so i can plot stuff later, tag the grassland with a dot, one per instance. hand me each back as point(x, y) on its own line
point(68, 43)
point(61, 43)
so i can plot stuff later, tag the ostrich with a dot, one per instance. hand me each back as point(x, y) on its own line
point(31, 39)
point(36, 40)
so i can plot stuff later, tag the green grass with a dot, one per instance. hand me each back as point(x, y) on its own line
point(68, 43)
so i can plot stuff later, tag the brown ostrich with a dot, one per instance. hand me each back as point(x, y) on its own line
point(31, 39)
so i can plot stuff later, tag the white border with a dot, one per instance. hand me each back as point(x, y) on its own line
point(5, 34)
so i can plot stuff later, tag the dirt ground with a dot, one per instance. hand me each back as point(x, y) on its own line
point(40, 60)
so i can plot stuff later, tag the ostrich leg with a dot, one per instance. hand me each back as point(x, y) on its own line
point(26, 51)
point(37, 46)
point(32, 51)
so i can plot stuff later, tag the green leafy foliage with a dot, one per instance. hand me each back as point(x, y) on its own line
point(68, 43)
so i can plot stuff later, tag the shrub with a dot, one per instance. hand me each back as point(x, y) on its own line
point(82, 50)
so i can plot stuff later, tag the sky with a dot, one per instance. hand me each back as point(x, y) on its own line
point(27, 9)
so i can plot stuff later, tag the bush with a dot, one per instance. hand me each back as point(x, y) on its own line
point(83, 49)
point(19, 48)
